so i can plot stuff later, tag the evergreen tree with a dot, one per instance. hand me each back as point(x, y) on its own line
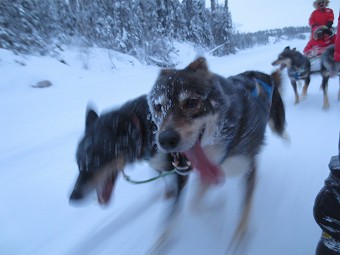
point(21, 21)
point(145, 29)
point(222, 30)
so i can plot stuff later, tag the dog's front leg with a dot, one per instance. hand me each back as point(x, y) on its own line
point(174, 191)
point(297, 98)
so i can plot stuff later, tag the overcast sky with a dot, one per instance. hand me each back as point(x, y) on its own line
point(255, 15)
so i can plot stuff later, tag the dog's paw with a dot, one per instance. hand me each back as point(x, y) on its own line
point(304, 90)
point(325, 105)
point(303, 96)
point(286, 137)
point(169, 193)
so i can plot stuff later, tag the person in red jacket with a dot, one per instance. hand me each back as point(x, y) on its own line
point(321, 22)
point(321, 16)
point(337, 43)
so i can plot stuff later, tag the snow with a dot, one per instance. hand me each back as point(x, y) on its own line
point(41, 128)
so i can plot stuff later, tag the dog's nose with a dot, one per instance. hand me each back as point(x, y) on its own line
point(76, 194)
point(168, 139)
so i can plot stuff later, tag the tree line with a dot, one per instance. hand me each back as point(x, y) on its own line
point(145, 29)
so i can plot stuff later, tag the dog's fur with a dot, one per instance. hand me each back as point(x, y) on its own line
point(113, 140)
point(329, 68)
point(298, 68)
point(226, 117)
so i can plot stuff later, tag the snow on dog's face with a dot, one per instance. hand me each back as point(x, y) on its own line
point(184, 112)
point(180, 106)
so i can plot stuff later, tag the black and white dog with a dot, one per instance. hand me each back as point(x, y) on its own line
point(329, 68)
point(113, 140)
point(217, 123)
point(298, 68)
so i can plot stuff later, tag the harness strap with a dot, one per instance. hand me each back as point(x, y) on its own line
point(262, 86)
point(267, 88)
point(161, 174)
point(298, 73)
point(256, 92)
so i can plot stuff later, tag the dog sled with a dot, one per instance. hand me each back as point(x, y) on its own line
point(315, 61)
point(322, 38)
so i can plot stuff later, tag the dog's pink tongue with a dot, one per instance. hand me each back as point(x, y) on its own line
point(104, 192)
point(209, 172)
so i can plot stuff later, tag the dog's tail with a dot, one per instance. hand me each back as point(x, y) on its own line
point(277, 115)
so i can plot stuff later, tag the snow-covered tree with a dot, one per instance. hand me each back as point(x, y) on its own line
point(145, 29)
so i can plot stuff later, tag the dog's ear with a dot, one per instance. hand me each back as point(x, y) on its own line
point(287, 48)
point(166, 71)
point(294, 49)
point(198, 64)
point(91, 117)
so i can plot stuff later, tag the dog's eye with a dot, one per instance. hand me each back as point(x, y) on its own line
point(190, 103)
point(157, 107)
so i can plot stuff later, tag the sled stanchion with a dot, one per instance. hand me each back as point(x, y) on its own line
point(128, 179)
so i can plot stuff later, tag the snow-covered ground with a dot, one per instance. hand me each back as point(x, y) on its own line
point(40, 129)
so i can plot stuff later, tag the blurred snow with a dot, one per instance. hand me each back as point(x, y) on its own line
point(40, 129)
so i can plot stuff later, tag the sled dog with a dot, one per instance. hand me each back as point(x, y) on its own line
point(298, 68)
point(329, 68)
point(217, 123)
point(113, 140)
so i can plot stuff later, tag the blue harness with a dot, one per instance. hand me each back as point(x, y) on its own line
point(266, 88)
point(297, 74)
point(262, 89)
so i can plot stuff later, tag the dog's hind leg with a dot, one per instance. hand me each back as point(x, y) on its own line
point(241, 229)
point(324, 86)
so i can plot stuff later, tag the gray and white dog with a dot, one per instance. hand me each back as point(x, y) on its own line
point(329, 68)
point(298, 68)
point(217, 123)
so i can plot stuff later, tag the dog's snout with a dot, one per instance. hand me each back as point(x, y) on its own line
point(76, 194)
point(168, 139)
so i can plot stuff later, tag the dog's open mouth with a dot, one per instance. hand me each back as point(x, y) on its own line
point(86, 184)
point(181, 163)
point(101, 180)
point(195, 157)
point(104, 190)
